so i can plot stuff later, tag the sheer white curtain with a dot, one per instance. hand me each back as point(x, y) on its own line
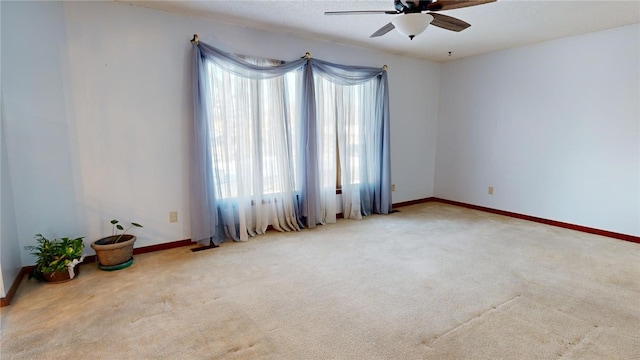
point(345, 113)
point(326, 125)
point(253, 149)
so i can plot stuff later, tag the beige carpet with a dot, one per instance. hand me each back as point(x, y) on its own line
point(433, 281)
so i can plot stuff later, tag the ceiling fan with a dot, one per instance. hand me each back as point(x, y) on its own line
point(414, 16)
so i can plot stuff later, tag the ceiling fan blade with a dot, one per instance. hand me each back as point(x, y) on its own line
point(440, 5)
point(360, 12)
point(448, 22)
point(383, 30)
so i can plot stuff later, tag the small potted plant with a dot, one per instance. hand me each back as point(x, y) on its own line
point(115, 252)
point(57, 259)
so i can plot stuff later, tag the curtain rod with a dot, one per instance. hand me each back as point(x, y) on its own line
point(307, 55)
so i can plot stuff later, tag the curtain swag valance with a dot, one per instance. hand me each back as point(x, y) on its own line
point(211, 220)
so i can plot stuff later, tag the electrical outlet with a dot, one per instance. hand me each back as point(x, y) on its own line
point(490, 190)
point(393, 187)
point(173, 216)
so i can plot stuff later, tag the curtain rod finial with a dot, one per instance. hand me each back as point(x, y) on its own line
point(307, 55)
point(195, 39)
point(385, 67)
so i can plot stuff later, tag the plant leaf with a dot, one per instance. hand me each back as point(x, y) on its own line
point(136, 224)
point(119, 227)
point(114, 222)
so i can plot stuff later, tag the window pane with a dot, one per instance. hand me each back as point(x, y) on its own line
point(253, 125)
point(345, 116)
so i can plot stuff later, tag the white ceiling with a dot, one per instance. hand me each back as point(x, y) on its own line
point(494, 26)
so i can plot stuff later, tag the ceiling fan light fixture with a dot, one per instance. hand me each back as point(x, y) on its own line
point(412, 24)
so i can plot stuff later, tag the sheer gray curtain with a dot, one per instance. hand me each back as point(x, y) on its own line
point(230, 194)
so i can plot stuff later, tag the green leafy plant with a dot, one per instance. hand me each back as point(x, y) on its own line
point(55, 255)
point(117, 227)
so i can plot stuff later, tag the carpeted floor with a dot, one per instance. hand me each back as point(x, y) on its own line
point(433, 281)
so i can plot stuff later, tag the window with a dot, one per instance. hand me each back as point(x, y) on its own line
point(344, 112)
point(255, 124)
point(265, 155)
point(255, 132)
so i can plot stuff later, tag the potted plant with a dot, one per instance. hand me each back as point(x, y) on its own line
point(116, 251)
point(57, 259)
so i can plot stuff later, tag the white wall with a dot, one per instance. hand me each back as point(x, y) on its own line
point(98, 112)
point(9, 244)
point(414, 95)
point(10, 259)
point(554, 127)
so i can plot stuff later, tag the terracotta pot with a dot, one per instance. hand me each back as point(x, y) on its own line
point(111, 253)
point(61, 276)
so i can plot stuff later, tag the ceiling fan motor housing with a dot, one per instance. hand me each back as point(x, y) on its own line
point(416, 6)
